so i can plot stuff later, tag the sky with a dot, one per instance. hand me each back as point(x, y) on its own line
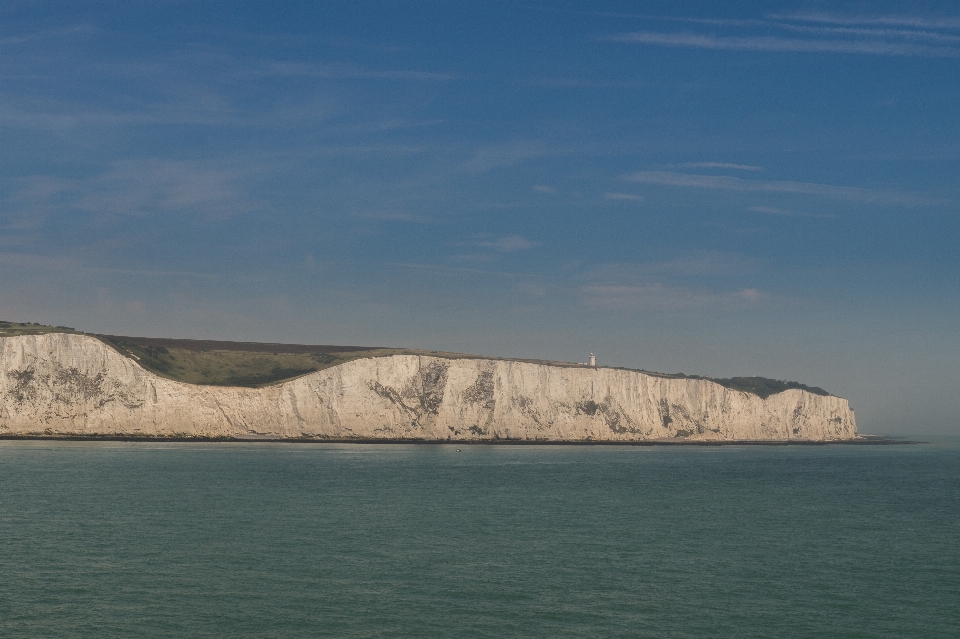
point(750, 188)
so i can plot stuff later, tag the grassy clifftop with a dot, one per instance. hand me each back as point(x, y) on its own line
point(11, 329)
point(250, 364)
point(762, 386)
point(255, 364)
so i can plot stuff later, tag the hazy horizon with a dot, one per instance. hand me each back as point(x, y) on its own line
point(767, 189)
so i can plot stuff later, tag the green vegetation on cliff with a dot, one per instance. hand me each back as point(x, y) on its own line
point(12, 329)
point(762, 386)
point(249, 364)
point(256, 364)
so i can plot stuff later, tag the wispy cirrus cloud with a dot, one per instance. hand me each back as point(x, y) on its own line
point(726, 183)
point(63, 118)
point(391, 216)
point(136, 187)
point(691, 281)
point(444, 269)
point(500, 155)
point(648, 16)
point(719, 165)
point(814, 32)
point(778, 43)
point(635, 297)
point(911, 34)
point(343, 71)
point(776, 210)
point(624, 197)
point(686, 265)
point(588, 83)
point(922, 22)
point(73, 264)
point(508, 244)
point(78, 29)
point(772, 210)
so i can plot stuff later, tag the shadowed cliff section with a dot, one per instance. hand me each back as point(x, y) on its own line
point(259, 364)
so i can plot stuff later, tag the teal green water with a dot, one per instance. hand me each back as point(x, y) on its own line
point(276, 540)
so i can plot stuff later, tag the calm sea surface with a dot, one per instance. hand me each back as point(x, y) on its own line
point(284, 540)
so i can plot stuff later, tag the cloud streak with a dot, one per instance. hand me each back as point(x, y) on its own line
point(951, 22)
point(502, 155)
point(781, 44)
point(871, 32)
point(697, 280)
point(914, 36)
point(619, 297)
point(139, 187)
point(719, 165)
point(74, 265)
point(508, 244)
point(690, 264)
point(725, 183)
point(624, 197)
point(339, 71)
point(82, 29)
point(772, 210)
point(391, 216)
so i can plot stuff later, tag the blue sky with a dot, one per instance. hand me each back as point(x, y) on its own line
point(763, 188)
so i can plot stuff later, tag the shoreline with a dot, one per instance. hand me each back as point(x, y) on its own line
point(866, 440)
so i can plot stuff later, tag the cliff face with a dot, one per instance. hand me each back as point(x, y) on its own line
point(63, 384)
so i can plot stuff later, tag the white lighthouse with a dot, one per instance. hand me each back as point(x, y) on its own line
point(593, 360)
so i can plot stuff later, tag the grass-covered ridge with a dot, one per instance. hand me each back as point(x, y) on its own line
point(12, 329)
point(256, 364)
point(249, 364)
point(762, 386)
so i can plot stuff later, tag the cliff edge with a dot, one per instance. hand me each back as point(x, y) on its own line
point(61, 384)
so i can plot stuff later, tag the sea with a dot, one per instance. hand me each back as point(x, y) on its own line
point(236, 540)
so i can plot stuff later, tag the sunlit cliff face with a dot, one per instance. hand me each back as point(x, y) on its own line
point(60, 384)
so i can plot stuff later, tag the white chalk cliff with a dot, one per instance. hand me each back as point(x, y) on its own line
point(65, 384)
